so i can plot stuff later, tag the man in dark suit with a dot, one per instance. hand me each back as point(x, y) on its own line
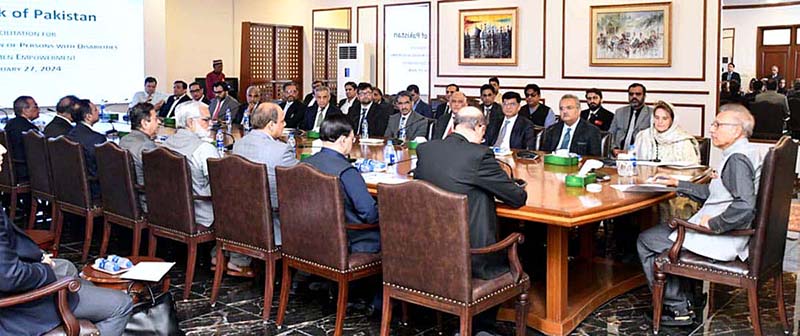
point(350, 95)
point(62, 123)
point(731, 75)
point(778, 101)
point(444, 125)
point(407, 124)
point(492, 111)
point(596, 114)
point(445, 108)
point(572, 132)
point(222, 102)
point(472, 170)
point(178, 96)
point(377, 118)
point(295, 110)
point(417, 104)
point(309, 100)
point(197, 93)
point(511, 131)
point(23, 268)
point(541, 114)
point(774, 74)
point(86, 115)
point(25, 111)
point(253, 96)
point(316, 113)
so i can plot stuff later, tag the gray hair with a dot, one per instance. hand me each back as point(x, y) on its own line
point(186, 111)
point(264, 114)
point(322, 88)
point(253, 87)
point(573, 97)
point(471, 116)
point(744, 116)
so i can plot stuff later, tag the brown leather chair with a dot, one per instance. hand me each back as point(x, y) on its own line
point(316, 241)
point(170, 213)
point(539, 131)
point(71, 185)
point(8, 180)
point(39, 174)
point(767, 242)
point(769, 120)
point(605, 144)
point(427, 256)
point(70, 326)
point(120, 198)
point(243, 218)
point(704, 146)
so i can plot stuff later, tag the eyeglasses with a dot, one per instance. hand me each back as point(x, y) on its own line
point(718, 124)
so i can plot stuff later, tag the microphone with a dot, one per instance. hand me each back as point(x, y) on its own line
point(401, 141)
point(403, 160)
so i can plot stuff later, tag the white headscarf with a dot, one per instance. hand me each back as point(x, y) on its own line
point(672, 145)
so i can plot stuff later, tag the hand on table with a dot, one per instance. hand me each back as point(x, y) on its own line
point(664, 179)
point(704, 221)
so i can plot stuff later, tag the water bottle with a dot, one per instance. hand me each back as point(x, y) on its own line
point(389, 154)
point(246, 122)
point(103, 111)
point(366, 166)
point(632, 151)
point(106, 265)
point(220, 139)
point(228, 119)
point(290, 140)
point(364, 128)
point(121, 261)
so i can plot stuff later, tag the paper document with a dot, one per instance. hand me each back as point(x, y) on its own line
point(642, 188)
point(676, 164)
point(376, 177)
point(148, 271)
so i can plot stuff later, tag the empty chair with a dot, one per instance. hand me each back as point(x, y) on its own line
point(170, 211)
point(314, 240)
point(605, 144)
point(9, 183)
point(38, 161)
point(243, 217)
point(704, 146)
point(794, 117)
point(71, 185)
point(769, 120)
point(427, 257)
point(120, 197)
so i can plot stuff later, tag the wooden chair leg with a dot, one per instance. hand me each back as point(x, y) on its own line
point(466, 324)
point(711, 299)
point(752, 303)
point(32, 217)
point(221, 263)
point(191, 259)
point(439, 322)
point(781, 305)
point(522, 313)
point(87, 238)
point(658, 299)
point(341, 307)
point(386, 318)
point(137, 239)
point(151, 243)
point(106, 237)
point(58, 223)
point(269, 286)
point(286, 285)
point(404, 311)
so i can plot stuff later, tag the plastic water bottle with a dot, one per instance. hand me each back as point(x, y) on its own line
point(103, 111)
point(364, 128)
point(290, 140)
point(220, 139)
point(389, 154)
point(246, 122)
point(228, 119)
point(106, 265)
point(121, 261)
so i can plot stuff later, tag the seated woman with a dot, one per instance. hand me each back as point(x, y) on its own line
point(665, 140)
point(729, 203)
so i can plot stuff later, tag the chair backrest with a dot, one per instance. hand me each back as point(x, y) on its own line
point(774, 200)
point(704, 146)
point(38, 160)
point(769, 120)
point(312, 215)
point(168, 189)
point(538, 132)
point(794, 114)
point(115, 173)
point(7, 177)
point(242, 208)
point(605, 143)
point(425, 239)
point(68, 170)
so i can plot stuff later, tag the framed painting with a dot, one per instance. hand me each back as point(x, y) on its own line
point(488, 36)
point(631, 35)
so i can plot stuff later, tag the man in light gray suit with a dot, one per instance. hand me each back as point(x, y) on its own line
point(262, 145)
point(629, 120)
point(407, 125)
point(222, 102)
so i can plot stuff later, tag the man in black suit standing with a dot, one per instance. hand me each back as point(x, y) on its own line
point(62, 123)
point(309, 100)
point(731, 75)
point(178, 96)
point(472, 170)
point(445, 108)
point(350, 93)
point(365, 110)
point(444, 124)
point(511, 131)
point(492, 111)
point(295, 110)
point(596, 114)
point(25, 110)
point(316, 113)
point(86, 115)
point(774, 74)
point(572, 132)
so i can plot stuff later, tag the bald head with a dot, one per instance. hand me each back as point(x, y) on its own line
point(470, 123)
point(457, 101)
point(269, 118)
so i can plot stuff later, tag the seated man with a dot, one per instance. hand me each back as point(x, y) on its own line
point(337, 138)
point(62, 123)
point(23, 268)
point(322, 108)
point(144, 126)
point(571, 132)
point(511, 131)
point(408, 124)
point(86, 115)
point(729, 203)
point(263, 145)
point(25, 111)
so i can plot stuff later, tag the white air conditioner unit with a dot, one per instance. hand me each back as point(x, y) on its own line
point(354, 65)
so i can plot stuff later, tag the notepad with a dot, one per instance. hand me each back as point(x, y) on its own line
point(148, 271)
point(376, 177)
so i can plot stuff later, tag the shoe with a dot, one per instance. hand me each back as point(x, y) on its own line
point(674, 318)
point(237, 271)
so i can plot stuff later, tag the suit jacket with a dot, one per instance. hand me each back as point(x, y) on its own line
point(237, 116)
point(227, 103)
point(602, 119)
point(416, 126)
point(87, 137)
point(734, 76)
point(777, 77)
point(423, 109)
point(377, 119)
point(622, 118)
point(307, 99)
point(21, 271)
point(774, 98)
point(295, 114)
point(57, 127)
point(441, 110)
point(585, 141)
point(14, 129)
point(472, 171)
point(441, 126)
point(495, 114)
point(311, 115)
point(522, 133)
point(168, 105)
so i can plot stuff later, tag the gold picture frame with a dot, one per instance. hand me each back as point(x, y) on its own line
point(631, 35)
point(488, 36)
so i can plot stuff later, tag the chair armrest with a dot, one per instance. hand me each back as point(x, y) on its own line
point(201, 198)
point(513, 258)
point(71, 284)
point(677, 222)
point(360, 227)
point(675, 250)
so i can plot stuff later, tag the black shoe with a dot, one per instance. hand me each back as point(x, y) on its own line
point(674, 318)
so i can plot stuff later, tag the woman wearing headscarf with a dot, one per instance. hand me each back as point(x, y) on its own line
point(665, 140)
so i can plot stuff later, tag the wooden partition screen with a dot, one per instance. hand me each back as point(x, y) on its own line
point(271, 56)
point(326, 55)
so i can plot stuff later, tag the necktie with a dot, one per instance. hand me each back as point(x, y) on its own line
point(486, 110)
point(216, 110)
point(629, 138)
point(502, 136)
point(565, 141)
point(363, 120)
point(402, 133)
point(318, 120)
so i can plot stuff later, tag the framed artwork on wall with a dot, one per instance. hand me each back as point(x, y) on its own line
point(631, 35)
point(488, 36)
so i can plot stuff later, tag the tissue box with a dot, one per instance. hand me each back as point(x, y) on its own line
point(577, 181)
point(312, 135)
point(169, 122)
point(412, 145)
point(560, 160)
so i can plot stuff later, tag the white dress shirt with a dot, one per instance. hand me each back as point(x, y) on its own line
point(141, 97)
point(564, 132)
point(346, 106)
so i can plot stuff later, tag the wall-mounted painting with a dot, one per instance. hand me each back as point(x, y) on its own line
point(631, 35)
point(488, 36)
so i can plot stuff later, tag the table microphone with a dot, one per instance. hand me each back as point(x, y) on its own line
point(403, 160)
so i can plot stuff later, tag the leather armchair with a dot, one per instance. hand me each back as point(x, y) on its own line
point(8, 179)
